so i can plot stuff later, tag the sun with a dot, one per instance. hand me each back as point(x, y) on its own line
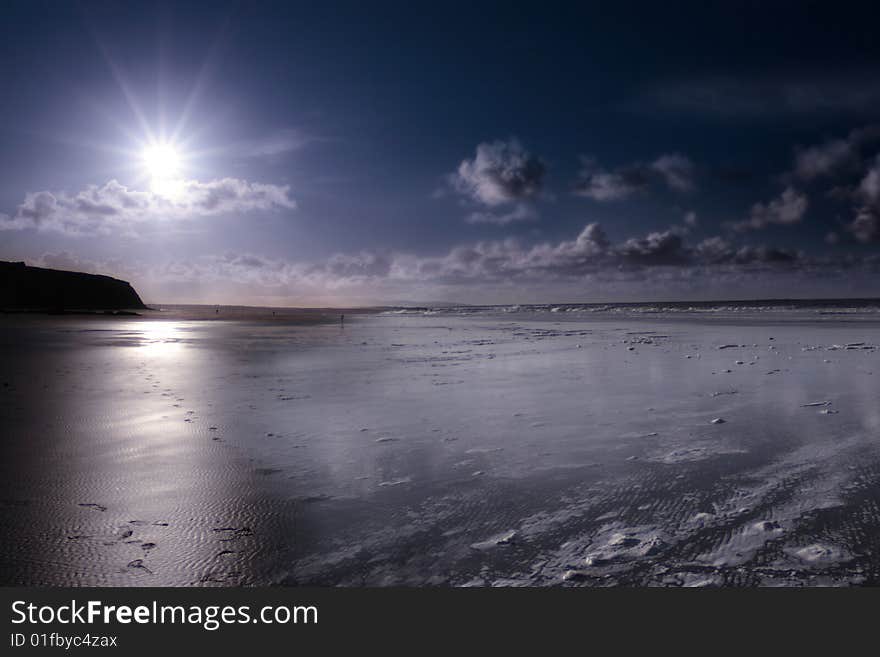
point(163, 162)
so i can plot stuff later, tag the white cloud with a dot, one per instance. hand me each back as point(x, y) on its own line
point(505, 261)
point(713, 249)
point(500, 172)
point(661, 248)
point(835, 156)
point(823, 159)
point(99, 209)
point(787, 209)
point(602, 185)
point(480, 270)
point(676, 170)
point(673, 170)
point(856, 175)
point(488, 270)
point(865, 226)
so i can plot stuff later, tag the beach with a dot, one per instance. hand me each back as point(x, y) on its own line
point(521, 446)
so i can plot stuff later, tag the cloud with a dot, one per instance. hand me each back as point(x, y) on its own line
point(501, 172)
point(124, 268)
point(69, 262)
point(602, 185)
point(854, 166)
point(835, 156)
point(520, 212)
point(787, 209)
point(713, 250)
point(590, 265)
point(590, 253)
point(274, 145)
point(869, 187)
point(824, 159)
point(717, 251)
point(676, 170)
point(672, 170)
point(658, 248)
point(100, 209)
point(866, 226)
point(358, 266)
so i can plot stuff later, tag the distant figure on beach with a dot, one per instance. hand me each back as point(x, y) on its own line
point(217, 310)
point(342, 320)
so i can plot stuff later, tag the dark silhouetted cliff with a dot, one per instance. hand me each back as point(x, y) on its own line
point(34, 288)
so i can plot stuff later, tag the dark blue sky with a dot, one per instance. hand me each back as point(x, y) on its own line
point(376, 152)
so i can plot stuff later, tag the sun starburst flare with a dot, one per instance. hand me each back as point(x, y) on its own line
point(163, 163)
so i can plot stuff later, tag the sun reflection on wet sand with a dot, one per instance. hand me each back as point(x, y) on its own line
point(123, 482)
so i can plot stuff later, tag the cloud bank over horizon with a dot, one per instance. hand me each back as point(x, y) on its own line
point(587, 268)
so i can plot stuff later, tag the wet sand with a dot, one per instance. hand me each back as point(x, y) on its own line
point(521, 449)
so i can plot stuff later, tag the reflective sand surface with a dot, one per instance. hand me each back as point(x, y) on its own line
point(494, 449)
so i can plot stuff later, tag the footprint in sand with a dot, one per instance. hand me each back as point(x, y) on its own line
point(90, 505)
point(138, 564)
